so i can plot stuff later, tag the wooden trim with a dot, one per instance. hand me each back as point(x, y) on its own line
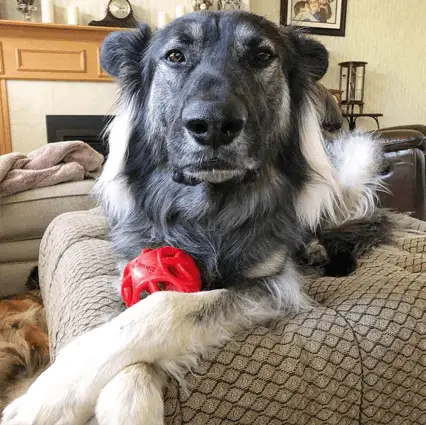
point(101, 71)
point(1, 60)
point(5, 136)
point(45, 55)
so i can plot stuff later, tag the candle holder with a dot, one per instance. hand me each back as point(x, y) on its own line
point(26, 7)
point(352, 85)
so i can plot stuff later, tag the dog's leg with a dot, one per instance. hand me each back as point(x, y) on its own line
point(345, 243)
point(132, 397)
point(168, 328)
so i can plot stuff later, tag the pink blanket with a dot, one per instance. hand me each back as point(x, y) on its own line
point(51, 164)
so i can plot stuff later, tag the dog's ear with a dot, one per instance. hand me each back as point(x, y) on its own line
point(310, 56)
point(124, 49)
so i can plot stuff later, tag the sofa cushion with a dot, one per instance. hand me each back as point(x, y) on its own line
point(405, 179)
point(357, 356)
point(13, 276)
point(26, 250)
point(27, 214)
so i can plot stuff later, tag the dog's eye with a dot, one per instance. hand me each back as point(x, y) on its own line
point(263, 57)
point(175, 56)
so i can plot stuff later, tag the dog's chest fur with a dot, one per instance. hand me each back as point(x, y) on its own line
point(230, 233)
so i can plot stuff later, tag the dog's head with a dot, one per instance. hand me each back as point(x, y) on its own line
point(213, 93)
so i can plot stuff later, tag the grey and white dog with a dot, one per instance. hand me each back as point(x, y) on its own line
point(216, 149)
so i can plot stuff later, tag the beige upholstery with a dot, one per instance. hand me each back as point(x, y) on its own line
point(23, 220)
point(357, 357)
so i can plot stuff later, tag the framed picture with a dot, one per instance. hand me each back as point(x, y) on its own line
point(322, 17)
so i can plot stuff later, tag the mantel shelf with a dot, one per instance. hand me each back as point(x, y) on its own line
point(54, 31)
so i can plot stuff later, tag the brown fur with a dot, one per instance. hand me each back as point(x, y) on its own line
point(24, 345)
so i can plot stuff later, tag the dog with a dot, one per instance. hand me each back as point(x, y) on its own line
point(216, 149)
point(24, 345)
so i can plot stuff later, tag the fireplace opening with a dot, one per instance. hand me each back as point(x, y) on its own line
point(88, 128)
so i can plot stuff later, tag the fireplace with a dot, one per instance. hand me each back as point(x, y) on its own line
point(88, 128)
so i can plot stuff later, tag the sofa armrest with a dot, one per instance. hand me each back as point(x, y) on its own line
point(402, 141)
point(420, 128)
point(405, 177)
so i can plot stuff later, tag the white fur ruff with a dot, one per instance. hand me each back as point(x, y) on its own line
point(344, 175)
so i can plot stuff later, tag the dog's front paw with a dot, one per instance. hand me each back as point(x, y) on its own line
point(31, 410)
point(47, 402)
point(132, 397)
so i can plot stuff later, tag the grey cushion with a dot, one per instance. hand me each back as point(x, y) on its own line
point(23, 220)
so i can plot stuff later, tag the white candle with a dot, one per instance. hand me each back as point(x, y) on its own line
point(180, 11)
point(47, 11)
point(73, 15)
point(161, 19)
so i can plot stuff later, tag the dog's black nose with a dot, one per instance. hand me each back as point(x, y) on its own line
point(214, 123)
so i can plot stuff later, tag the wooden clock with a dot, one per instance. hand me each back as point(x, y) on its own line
point(119, 13)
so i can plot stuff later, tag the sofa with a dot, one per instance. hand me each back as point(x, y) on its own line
point(358, 356)
point(405, 171)
point(24, 218)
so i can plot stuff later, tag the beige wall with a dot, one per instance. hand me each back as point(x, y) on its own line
point(267, 8)
point(31, 101)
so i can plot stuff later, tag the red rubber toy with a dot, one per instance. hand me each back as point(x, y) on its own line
point(161, 269)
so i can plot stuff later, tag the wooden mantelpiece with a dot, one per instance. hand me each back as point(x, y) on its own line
point(34, 51)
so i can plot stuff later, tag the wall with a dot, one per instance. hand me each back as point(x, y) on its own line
point(389, 35)
point(28, 112)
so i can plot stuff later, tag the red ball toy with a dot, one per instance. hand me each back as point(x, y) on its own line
point(161, 269)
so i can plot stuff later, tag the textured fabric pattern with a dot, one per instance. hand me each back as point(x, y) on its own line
point(357, 357)
point(77, 269)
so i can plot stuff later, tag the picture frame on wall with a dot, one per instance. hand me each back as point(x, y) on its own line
point(322, 17)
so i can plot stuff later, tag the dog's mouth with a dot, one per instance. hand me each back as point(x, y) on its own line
point(213, 172)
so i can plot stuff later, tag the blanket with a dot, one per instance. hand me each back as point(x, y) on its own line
point(49, 165)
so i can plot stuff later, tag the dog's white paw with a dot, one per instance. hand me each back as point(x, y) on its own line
point(49, 401)
point(132, 397)
point(31, 410)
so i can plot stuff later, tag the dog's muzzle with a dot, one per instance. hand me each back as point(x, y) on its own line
point(216, 127)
